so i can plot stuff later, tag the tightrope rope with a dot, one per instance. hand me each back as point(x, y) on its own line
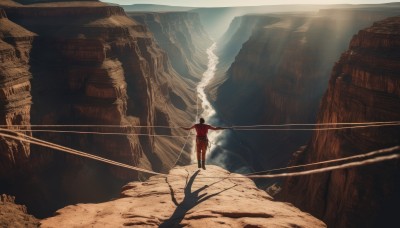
point(320, 170)
point(87, 125)
point(188, 135)
point(33, 140)
point(99, 133)
point(314, 129)
point(366, 155)
point(236, 127)
point(180, 153)
point(315, 124)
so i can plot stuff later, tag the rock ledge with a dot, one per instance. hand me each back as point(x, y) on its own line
point(192, 200)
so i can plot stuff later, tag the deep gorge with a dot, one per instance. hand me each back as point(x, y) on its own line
point(97, 64)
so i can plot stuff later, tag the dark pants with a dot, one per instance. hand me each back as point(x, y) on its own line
point(201, 145)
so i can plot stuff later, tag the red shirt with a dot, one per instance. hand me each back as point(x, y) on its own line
point(202, 129)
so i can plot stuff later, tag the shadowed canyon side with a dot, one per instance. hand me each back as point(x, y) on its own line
point(183, 38)
point(15, 97)
point(229, 45)
point(187, 197)
point(364, 86)
point(279, 76)
point(90, 64)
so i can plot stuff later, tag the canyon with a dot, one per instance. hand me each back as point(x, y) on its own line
point(86, 63)
point(119, 84)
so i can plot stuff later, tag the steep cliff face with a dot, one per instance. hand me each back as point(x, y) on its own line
point(182, 36)
point(364, 86)
point(91, 64)
point(85, 59)
point(280, 75)
point(15, 97)
point(187, 197)
point(229, 45)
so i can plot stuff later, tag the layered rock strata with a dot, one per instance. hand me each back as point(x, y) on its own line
point(364, 87)
point(187, 197)
point(15, 97)
point(280, 74)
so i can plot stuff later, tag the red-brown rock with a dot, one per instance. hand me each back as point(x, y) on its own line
point(187, 197)
point(15, 97)
point(364, 87)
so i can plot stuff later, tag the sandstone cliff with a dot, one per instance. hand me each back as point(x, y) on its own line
point(364, 86)
point(183, 38)
point(15, 97)
point(280, 74)
point(187, 197)
point(90, 64)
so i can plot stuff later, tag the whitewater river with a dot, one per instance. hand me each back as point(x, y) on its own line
point(207, 110)
point(222, 142)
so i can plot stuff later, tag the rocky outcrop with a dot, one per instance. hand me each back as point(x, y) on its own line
point(187, 197)
point(15, 97)
point(364, 86)
point(280, 74)
point(183, 38)
point(14, 215)
point(91, 64)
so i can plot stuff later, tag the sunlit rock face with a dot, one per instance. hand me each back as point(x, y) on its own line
point(15, 97)
point(279, 77)
point(183, 38)
point(364, 87)
point(88, 64)
point(187, 197)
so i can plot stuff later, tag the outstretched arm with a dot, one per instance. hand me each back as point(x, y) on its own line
point(217, 128)
point(188, 128)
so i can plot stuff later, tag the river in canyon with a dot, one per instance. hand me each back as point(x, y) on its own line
point(204, 106)
point(221, 142)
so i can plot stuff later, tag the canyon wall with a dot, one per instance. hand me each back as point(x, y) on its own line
point(279, 77)
point(364, 87)
point(15, 97)
point(183, 38)
point(89, 64)
point(229, 45)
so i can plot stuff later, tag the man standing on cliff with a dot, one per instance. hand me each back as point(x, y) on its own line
point(202, 140)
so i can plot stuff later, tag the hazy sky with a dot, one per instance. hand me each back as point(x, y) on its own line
point(217, 3)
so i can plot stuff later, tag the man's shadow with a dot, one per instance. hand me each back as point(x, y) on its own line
point(190, 200)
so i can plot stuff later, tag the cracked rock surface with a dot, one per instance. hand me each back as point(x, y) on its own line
point(187, 197)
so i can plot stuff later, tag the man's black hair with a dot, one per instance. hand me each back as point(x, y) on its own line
point(202, 120)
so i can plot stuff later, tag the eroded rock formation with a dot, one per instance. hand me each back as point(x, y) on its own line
point(187, 197)
point(15, 97)
point(364, 87)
